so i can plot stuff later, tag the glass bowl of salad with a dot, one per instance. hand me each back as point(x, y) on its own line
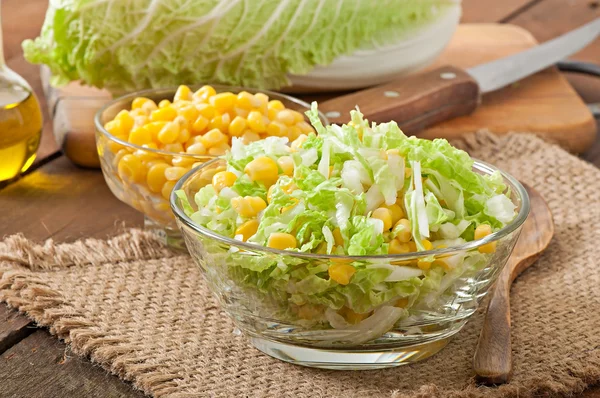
point(356, 248)
point(148, 139)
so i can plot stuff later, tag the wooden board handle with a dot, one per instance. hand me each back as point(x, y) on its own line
point(415, 102)
point(492, 362)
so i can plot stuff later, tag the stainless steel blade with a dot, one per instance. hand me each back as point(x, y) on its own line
point(500, 73)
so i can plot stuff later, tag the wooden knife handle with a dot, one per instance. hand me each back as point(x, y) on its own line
point(492, 362)
point(414, 102)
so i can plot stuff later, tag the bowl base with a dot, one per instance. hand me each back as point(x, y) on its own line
point(171, 237)
point(339, 359)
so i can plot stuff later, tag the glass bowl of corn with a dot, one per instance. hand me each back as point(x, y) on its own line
point(147, 140)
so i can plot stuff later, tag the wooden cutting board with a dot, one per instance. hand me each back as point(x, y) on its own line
point(544, 103)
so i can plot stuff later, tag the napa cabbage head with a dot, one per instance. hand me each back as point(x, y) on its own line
point(134, 44)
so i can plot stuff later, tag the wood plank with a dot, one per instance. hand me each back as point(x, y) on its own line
point(41, 366)
point(550, 18)
point(492, 11)
point(14, 327)
point(62, 201)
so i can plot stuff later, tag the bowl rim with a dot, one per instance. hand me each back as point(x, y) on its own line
point(478, 164)
point(100, 130)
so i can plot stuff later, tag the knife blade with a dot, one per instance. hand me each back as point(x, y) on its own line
point(500, 73)
point(419, 101)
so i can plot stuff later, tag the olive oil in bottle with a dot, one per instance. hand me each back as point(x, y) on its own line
point(20, 122)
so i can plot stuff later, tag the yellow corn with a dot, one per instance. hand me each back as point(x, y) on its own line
point(156, 177)
point(481, 232)
point(286, 116)
point(175, 173)
point(247, 101)
point(169, 133)
point(237, 126)
point(385, 215)
point(175, 147)
point(287, 165)
point(165, 114)
point(281, 241)
point(297, 143)
point(424, 265)
point(140, 136)
point(223, 101)
point(197, 148)
point(305, 128)
point(115, 128)
point(241, 112)
point(396, 211)
point(290, 207)
point(262, 169)
point(248, 206)
point(206, 110)
point(427, 244)
point(183, 93)
point(164, 103)
point(126, 120)
point(249, 136)
point(130, 168)
point(256, 122)
point(220, 122)
point(167, 188)
point(154, 128)
point(397, 247)
point(189, 112)
point(341, 273)
point(213, 138)
point(200, 124)
point(184, 135)
point(276, 105)
point(353, 317)
point(139, 102)
point(223, 179)
point(203, 94)
point(401, 303)
point(405, 234)
point(277, 129)
point(247, 229)
point(182, 161)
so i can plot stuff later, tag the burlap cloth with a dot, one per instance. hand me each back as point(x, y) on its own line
point(146, 315)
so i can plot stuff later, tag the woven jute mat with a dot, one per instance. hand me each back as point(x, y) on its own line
point(145, 314)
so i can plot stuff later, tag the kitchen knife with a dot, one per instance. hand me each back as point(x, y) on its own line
point(419, 101)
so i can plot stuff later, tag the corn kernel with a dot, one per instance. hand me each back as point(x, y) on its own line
point(286, 163)
point(337, 237)
point(423, 265)
point(203, 93)
point(281, 241)
point(165, 114)
point(219, 150)
point(396, 211)
point(277, 129)
point(481, 232)
point(189, 112)
point(427, 244)
point(167, 188)
point(223, 179)
point(182, 161)
point(256, 122)
point(130, 168)
point(223, 101)
point(263, 100)
point(384, 215)
point(247, 229)
point(126, 120)
point(155, 179)
point(200, 125)
point(140, 101)
point(272, 114)
point(196, 149)
point(175, 147)
point(290, 207)
point(353, 317)
point(174, 173)
point(237, 126)
point(297, 143)
point(184, 135)
point(262, 169)
point(164, 103)
point(247, 101)
point(397, 247)
point(140, 121)
point(241, 112)
point(154, 128)
point(286, 116)
point(220, 122)
point(206, 110)
point(249, 136)
point(248, 206)
point(401, 303)
point(275, 105)
point(298, 117)
point(149, 107)
point(213, 138)
point(169, 133)
point(294, 132)
point(341, 273)
point(140, 136)
point(404, 234)
point(115, 128)
point(183, 93)
point(144, 155)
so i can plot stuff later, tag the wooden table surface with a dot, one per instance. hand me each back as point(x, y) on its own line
point(60, 201)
